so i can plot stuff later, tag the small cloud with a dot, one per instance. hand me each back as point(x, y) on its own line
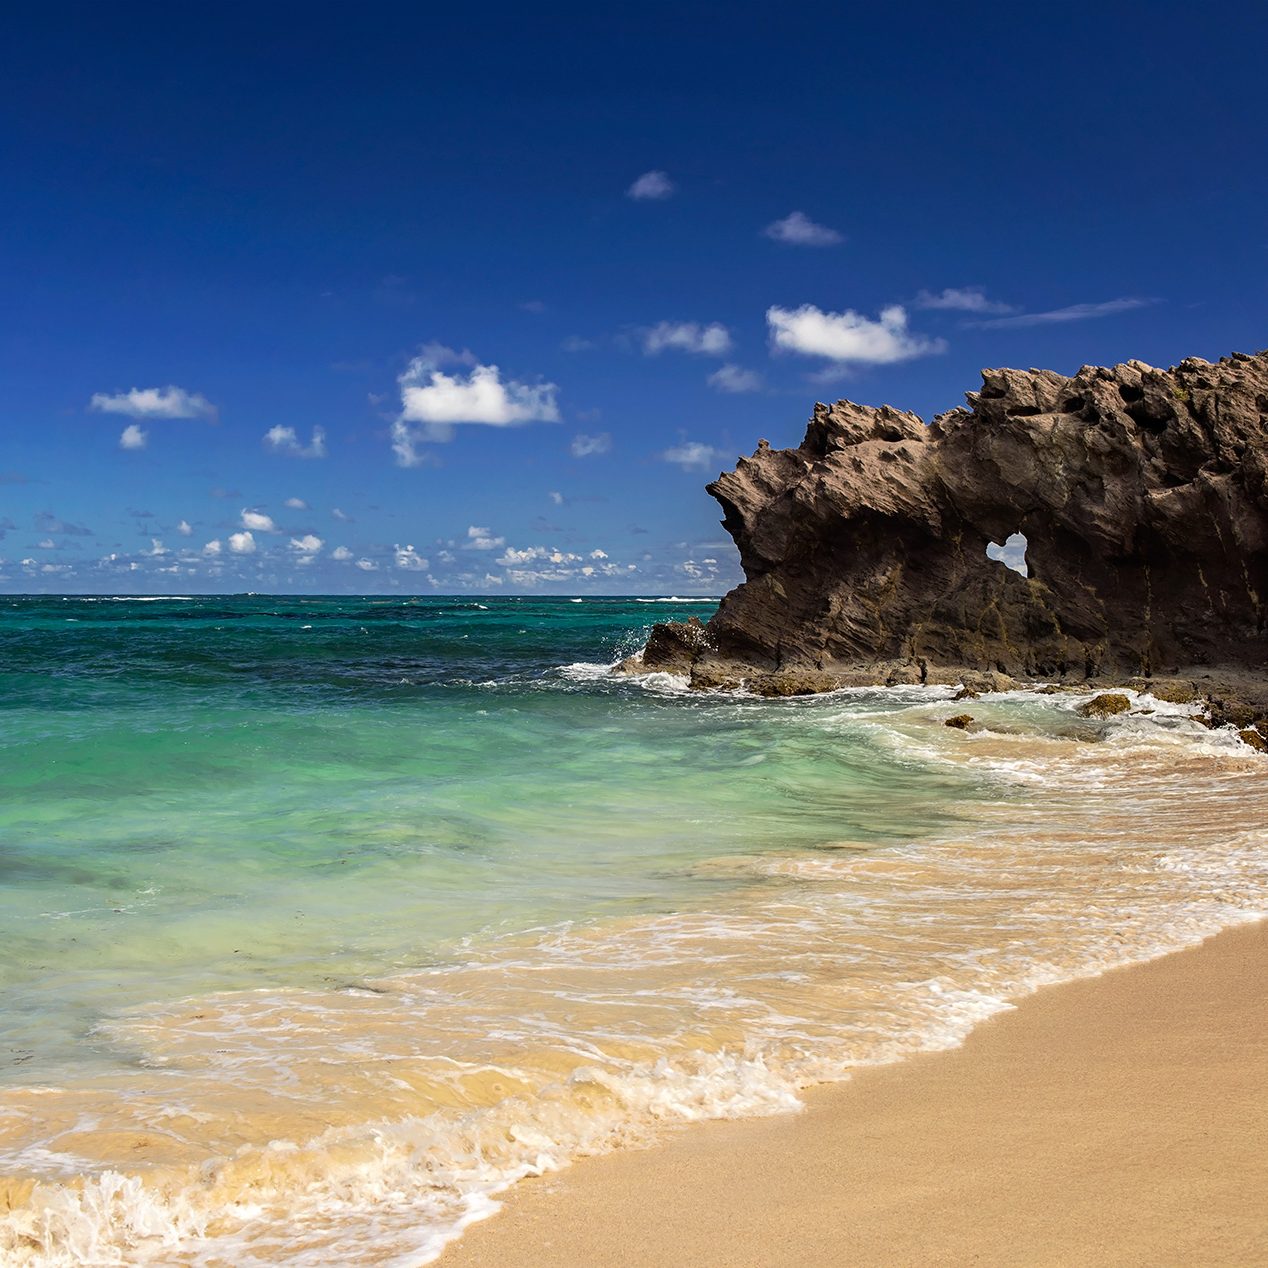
point(309, 544)
point(408, 558)
point(133, 436)
point(47, 522)
point(848, 337)
point(651, 187)
point(433, 402)
point(47, 544)
point(285, 440)
point(212, 549)
point(242, 543)
point(258, 522)
point(961, 299)
point(341, 553)
point(691, 455)
point(342, 516)
point(798, 230)
point(185, 529)
point(584, 446)
point(154, 402)
point(367, 565)
point(482, 539)
point(534, 306)
point(713, 340)
point(295, 504)
point(598, 554)
point(157, 549)
point(575, 343)
point(1074, 312)
point(734, 378)
point(556, 497)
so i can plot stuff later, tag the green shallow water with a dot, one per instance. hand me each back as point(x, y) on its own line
point(216, 793)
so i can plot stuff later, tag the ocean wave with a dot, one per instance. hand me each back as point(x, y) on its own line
point(1092, 844)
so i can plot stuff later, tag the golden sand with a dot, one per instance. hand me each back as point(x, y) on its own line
point(1118, 1121)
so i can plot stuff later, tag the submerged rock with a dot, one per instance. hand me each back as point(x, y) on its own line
point(1254, 739)
point(1105, 705)
point(1142, 495)
point(960, 722)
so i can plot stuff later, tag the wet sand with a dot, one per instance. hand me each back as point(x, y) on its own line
point(1116, 1121)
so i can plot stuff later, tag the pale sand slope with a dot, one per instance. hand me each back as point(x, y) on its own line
point(1121, 1120)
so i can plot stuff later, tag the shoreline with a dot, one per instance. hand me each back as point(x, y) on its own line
point(1110, 1120)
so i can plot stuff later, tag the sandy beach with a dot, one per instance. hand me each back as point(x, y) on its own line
point(1118, 1120)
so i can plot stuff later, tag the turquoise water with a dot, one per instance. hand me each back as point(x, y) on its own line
point(213, 793)
point(324, 920)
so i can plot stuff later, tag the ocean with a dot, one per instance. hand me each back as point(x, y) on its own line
point(323, 920)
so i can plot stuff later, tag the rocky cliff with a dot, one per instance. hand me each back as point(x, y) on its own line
point(1142, 495)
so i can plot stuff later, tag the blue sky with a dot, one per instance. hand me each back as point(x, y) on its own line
point(394, 298)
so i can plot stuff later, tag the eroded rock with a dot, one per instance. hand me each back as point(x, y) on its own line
point(1105, 705)
point(1141, 493)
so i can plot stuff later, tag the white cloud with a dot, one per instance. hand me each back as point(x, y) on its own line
point(433, 402)
point(962, 299)
point(185, 529)
point(295, 504)
point(154, 402)
point(556, 497)
point(341, 553)
point(1074, 312)
point(367, 565)
point(584, 446)
point(408, 558)
point(734, 378)
point(258, 522)
point(285, 440)
point(342, 516)
point(798, 230)
point(133, 437)
point(691, 455)
point(651, 187)
point(47, 544)
point(1012, 554)
point(848, 337)
point(157, 549)
point(242, 543)
point(512, 558)
point(309, 544)
point(482, 539)
point(713, 340)
point(212, 548)
point(598, 554)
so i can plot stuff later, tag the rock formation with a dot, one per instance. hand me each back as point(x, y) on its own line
point(1142, 494)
